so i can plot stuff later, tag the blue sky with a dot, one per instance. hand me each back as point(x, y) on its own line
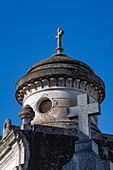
point(27, 35)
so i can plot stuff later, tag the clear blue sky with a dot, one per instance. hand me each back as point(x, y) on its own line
point(27, 35)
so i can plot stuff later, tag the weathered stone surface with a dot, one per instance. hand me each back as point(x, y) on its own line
point(105, 145)
point(86, 145)
point(83, 111)
point(11, 151)
point(54, 148)
point(60, 66)
point(48, 152)
point(87, 160)
point(26, 114)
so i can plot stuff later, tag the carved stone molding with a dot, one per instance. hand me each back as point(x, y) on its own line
point(7, 142)
point(69, 82)
point(12, 150)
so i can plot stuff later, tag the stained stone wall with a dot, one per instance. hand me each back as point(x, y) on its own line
point(52, 148)
point(87, 161)
point(41, 149)
point(105, 145)
point(51, 151)
point(11, 151)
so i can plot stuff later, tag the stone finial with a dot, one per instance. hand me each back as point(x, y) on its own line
point(6, 127)
point(26, 114)
point(59, 49)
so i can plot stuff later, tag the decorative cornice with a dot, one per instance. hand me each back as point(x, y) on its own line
point(7, 142)
point(69, 82)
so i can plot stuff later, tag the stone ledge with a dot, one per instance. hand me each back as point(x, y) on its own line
point(86, 146)
point(55, 130)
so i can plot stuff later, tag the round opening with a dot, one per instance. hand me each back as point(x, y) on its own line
point(45, 105)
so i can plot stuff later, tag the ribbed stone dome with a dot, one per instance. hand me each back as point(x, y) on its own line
point(57, 61)
point(59, 65)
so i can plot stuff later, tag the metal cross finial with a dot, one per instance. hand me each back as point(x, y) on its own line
point(59, 49)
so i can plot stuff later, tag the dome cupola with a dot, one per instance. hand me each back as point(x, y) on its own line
point(52, 85)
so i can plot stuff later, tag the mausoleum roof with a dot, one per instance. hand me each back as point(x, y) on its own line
point(59, 60)
point(60, 65)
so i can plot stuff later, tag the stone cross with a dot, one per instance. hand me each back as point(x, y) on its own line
point(83, 111)
point(59, 49)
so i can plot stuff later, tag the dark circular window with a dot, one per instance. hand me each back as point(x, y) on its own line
point(45, 105)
